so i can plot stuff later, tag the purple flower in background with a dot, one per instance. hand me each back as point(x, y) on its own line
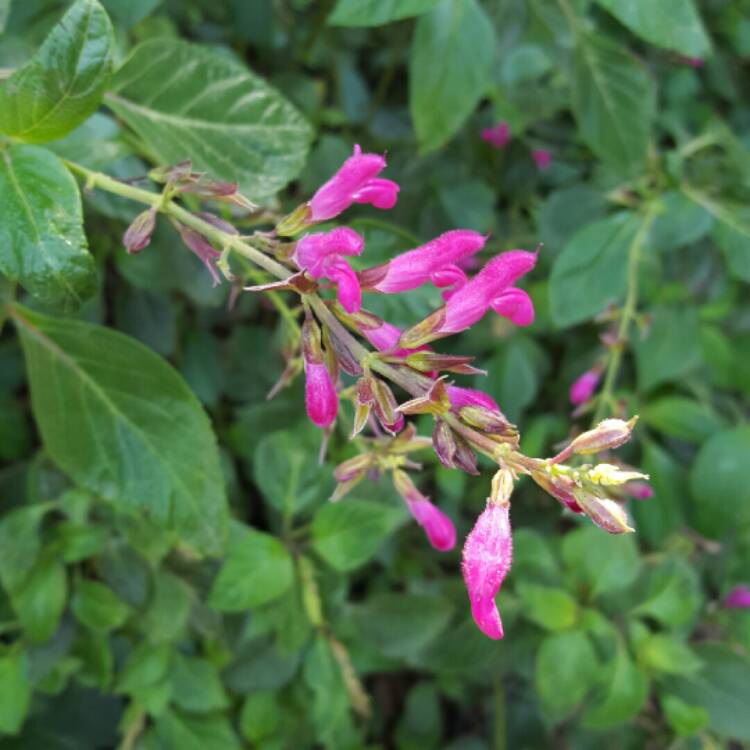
point(487, 557)
point(356, 181)
point(437, 526)
point(497, 136)
point(584, 386)
point(542, 158)
point(737, 598)
point(322, 256)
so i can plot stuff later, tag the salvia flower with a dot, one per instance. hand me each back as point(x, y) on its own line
point(356, 181)
point(435, 261)
point(737, 598)
point(322, 256)
point(542, 158)
point(487, 557)
point(492, 289)
point(321, 400)
point(497, 136)
point(438, 528)
point(584, 386)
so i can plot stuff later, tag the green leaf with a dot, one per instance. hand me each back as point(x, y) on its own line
point(19, 541)
point(4, 13)
point(187, 101)
point(348, 533)
point(721, 687)
point(257, 570)
point(261, 716)
point(733, 240)
point(39, 603)
point(666, 654)
point(15, 691)
point(673, 596)
point(168, 610)
point(604, 562)
point(591, 270)
point(613, 102)
point(624, 691)
point(64, 82)
point(122, 423)
point(719, 490)
point(376, 12)
point(145, 667)
point(417, 618)
point(673, 24)
point(42, 243)
point(550, 607)
point(513, 380)
point(97, 607)
point(682, 717)
point(449, 69)
point(196, 732)
point(196, 685)
point(680, 222)
point(670, 347)
point(681, 417)
point(566, 669)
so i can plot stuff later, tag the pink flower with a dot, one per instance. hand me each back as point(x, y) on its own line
point(321, 401)
point(356, 181)
point(498, 136)
point(542, 158)
point(737, 598)
point(486, 561)
point(460, 397)
point(321, 255)
point(638, 490)
point(437, 526)
point(584, 386)
point(490, 288)
point(435, 261)
point(692, 62)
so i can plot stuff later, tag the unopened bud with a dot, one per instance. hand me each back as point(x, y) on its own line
point(182, 172)
point(138, 234)
point(385, 406)
point(353, 467)
point(435, 401)
point(294, 222)
point(502, 487)
point(444, 443)
point(424, 331)
point(464, 457)
point(487, 420)
point(426, 361)
point(611, 433)
point(559, 487)
point(605, 513)
point(609, 474)
point(310, 338)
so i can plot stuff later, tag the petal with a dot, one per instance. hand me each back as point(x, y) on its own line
point(347, 283)
point(487, 617)
point(439, 529)
point(321, 400)
point(378, 192)
point(515, 305)
point(460, 397)
point(583, 387)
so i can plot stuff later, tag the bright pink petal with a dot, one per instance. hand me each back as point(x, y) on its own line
point(437, 526)
point(321, 400)
point(542, 158)
point(384, 337)
point(583, 387)
point(378, 192)
point(347, 286)
point(515, 305)
point(498, 136)
point(737, 598)
point(487, 617)
point(460, 397)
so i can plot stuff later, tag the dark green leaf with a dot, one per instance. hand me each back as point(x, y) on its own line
point(187, 101)
point(673, 596)
point(732, 235)
point(260, 716)
point(42, 244)
point(196, 685)
point(680, 222)
point(348, 533)
point(40, 601)
point(168, 609)
point(196, 732)
point(376, 12)
point(104, 405)
point(449, 68)
point(64, 82)
point(674, 24)
point(681, 417)
point(613, 102)
point(97, 607)
point(257, 570)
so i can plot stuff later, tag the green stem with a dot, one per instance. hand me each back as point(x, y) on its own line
point(627, 315)
point(500, 729)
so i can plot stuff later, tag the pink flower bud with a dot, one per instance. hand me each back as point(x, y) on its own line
point(434, 261)
point(584, 386)
point(322, 256)
point(737, 598)
point(497, 136)
point(490, 288)
point(691, 62)
point(321, 401)
point(486, 561)
point(439, 529)
point(138, 234)
point(542, 158)
point(355, 182)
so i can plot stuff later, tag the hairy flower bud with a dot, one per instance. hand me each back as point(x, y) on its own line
point(437, 526)
point(559, 487)
point(321, 400)
point(385, 406)
point(608, 434)
point(138, 234)
point(605, 513)
point(584, 386)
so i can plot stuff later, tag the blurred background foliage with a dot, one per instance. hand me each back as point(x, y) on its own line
point(338, 626)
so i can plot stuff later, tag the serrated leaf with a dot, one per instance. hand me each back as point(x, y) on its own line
point(376, 12)
point(189, 102)
point(449, 69)
point(613, 102)
point(42, 243)
point(673, 24)
point(257, 570)
point(123, 424)
point(64, 82)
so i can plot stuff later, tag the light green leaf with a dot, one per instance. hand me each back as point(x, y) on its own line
point(97, 607)
point(261, 715)
point(376, 12)
point(122, 423)
point(15, 691)
point(64, 82)
point(550, 607)
point(189, 102)
point(19, 541)
point(613, 102)
point(348, 533)
point(42, 243)
point(591, 270)
point(449, 69)
point(719, 490)
point(666, 654)
point(168, 609)
point(684, 718)
point(257, 570)
point(39, 603)
point(673, 24)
